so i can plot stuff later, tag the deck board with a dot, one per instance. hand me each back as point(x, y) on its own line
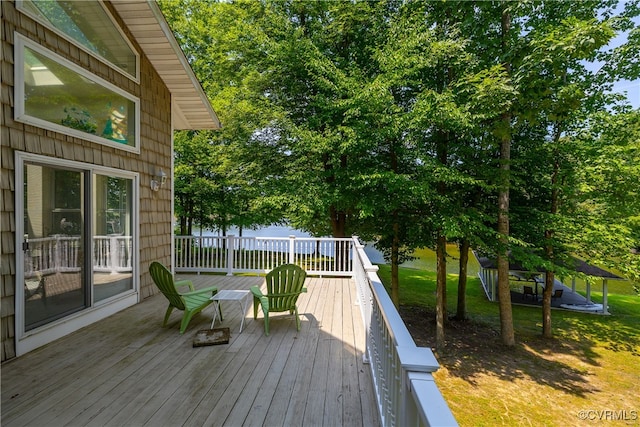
point(314, 409)
point(304, 363)
point(333, 384)
point(128, 370)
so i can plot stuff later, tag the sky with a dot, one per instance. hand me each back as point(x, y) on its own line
point(632, 88)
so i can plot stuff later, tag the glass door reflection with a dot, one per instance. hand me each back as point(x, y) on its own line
point(53, 244)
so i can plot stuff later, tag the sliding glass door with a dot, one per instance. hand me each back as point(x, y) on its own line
point(77, 239)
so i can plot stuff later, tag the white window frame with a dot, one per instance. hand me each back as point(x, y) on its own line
point(135, 77)
point(21, 43)
point(29, 340)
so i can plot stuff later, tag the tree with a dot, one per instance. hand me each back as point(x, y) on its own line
point(221, 180)
point(556, 105)
point(491, 91)
point(542, 51)
point(608, 195)
point(191, 188)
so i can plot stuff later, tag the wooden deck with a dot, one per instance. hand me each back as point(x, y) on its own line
point(129, 371)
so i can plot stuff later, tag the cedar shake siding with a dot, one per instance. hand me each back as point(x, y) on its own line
point(155, 208)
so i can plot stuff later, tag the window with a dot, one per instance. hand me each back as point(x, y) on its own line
point(56, 94)
point(77, 237)
point(91, 26)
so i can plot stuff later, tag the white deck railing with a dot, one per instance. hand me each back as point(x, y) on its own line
point(61, 254)
point(52, 254)
point(231, 254)
point(402, 372)
point(112, 254)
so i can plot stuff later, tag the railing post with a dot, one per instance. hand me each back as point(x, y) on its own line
point(230, 248)
point(292, 252)
point(200, 250)
point(179, 249)
point(425, 401)
point(57, 261)
point(114, 253)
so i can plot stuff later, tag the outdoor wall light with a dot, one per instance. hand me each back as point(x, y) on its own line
point(158, 180)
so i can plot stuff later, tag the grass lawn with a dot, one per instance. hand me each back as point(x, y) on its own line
point(588, 374)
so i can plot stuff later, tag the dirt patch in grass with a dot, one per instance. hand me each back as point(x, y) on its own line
point(538, 382)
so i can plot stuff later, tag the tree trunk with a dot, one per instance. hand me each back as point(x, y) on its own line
point(338, 222)
point(395, 241)
point(504, 292)
point(339, 225)
point(395, 251)
point(190, 214)
point(549, 279)
point(548, 234)
point(183, 225)
point(504, 302)
point(189, 227)
point(337, 217)
point(461, 312)
point(441, 246)
point(183, 219)
point(441, 291)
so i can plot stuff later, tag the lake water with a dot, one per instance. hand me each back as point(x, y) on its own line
point(425, 258)
point(271, 231)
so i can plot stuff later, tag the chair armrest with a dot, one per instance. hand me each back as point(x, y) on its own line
point(258, 296)
point(212, 290)
point(187, 283)
point(255, 290)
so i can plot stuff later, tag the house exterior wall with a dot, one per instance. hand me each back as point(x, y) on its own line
point(155, 219)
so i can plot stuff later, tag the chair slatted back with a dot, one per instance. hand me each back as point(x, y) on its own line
point(284, 285)
point(163, 279)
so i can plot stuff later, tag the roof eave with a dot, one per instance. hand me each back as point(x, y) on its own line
point(190, 109)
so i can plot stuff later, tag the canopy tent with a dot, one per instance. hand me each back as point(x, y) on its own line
point(489, 276)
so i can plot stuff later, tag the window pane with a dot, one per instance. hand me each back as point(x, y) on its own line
point(112, 236)
point(53, 244)
point(60, 95)
point(89, 25)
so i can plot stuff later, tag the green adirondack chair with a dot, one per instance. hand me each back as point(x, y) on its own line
point(284, 284)
point(191, 302)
